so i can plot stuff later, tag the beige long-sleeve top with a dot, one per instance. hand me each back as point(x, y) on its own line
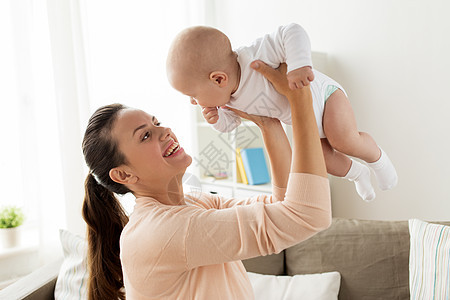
point(194, 251)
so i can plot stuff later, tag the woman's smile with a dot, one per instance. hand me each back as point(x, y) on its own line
point(171, 148)
point(175, 152)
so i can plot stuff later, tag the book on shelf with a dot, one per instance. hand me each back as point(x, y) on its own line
point(255, 165)
point(241, 177)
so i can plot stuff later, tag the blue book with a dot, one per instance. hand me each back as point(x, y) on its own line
point(255, 165)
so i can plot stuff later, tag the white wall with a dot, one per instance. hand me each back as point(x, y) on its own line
point(392, 57)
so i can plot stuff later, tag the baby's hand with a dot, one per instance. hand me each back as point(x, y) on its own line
point(210, 114)
point(299, 78)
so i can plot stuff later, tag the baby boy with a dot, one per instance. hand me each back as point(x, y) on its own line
point(202, 65)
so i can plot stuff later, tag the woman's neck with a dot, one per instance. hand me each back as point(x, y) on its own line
point(168, 194)
point(175, 191)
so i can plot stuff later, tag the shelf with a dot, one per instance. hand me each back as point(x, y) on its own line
point(211, 180)
point(260, 187)
point(229, 183)
point(215, 150)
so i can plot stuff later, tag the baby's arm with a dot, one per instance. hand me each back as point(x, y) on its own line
point(210, 114)
point(289, 44)
point(226, 120)
point(223, 120)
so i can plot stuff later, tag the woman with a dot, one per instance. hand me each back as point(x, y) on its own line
point(175, 246)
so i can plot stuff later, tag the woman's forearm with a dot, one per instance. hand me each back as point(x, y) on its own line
point(279, 151)
point(307, 149)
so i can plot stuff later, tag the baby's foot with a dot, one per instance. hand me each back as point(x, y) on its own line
point(360, 175)
point(384, 172)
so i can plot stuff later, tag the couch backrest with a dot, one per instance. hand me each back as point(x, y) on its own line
point(269, 265)
point(372, 257)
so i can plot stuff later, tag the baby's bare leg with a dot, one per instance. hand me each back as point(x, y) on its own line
point(337, 163)
point(339, 125)
point(341, 165)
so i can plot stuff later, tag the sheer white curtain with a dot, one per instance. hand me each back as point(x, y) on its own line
point(59, 61)
point(30, 157)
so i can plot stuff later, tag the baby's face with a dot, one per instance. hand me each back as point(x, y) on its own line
point(207, 94)
point(204, 93)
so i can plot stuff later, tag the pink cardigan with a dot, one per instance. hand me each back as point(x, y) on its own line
point(194, 251)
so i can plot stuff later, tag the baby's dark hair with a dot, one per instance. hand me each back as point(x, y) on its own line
point(102, 211)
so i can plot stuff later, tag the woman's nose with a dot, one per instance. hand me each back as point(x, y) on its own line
point(193, 102)
point(165, 132)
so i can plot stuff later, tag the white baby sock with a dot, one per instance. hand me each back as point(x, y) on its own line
point(384, 172)
point(360, 174)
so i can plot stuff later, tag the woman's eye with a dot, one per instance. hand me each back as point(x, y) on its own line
point(146, 136)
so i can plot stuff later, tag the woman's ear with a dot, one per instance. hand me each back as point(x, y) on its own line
point(122, 176)
point(220, 78)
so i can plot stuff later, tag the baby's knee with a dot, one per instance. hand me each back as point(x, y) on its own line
point(343, 143)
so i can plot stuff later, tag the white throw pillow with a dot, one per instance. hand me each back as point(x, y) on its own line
point(323, 286)
point(429, 260)
point(73, 275)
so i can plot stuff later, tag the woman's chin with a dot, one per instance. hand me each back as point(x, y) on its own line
point(186, 159)
point(189, 160)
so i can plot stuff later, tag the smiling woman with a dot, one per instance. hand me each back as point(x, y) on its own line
point(149, 164)
point(123, 147)
point(175, 245)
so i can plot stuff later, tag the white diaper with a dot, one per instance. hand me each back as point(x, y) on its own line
point(320, 92)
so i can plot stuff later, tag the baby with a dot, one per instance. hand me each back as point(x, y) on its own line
point(202, 65)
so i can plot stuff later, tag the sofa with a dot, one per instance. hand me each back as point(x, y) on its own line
point(371, 256)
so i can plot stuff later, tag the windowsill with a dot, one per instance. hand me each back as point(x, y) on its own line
point(29, 242)
point(22, 259)
point(22, 249)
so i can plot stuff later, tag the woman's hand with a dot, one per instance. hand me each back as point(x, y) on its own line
point(278, 79)
point(276, 143)
point(260, 121)
point(306, 147)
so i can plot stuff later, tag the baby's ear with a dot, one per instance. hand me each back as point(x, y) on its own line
point(220, 78)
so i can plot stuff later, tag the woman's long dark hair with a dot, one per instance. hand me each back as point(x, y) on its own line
point(103, 213)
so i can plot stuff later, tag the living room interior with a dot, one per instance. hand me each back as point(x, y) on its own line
point(64, 59)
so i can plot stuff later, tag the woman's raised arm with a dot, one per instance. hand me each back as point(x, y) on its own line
point(276, 144)
point(306, 147)
point(215, 236)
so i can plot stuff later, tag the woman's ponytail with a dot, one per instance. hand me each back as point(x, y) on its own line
point(105, 218)
point(102, 211)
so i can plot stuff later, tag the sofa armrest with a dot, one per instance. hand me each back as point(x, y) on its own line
point(40, 284)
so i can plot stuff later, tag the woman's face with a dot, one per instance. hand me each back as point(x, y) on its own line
point(151, 151)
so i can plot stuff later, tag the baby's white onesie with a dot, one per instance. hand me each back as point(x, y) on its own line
point(256, 95)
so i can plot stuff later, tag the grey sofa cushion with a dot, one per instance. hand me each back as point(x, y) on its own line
point(372, 257)
point(270, 264)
